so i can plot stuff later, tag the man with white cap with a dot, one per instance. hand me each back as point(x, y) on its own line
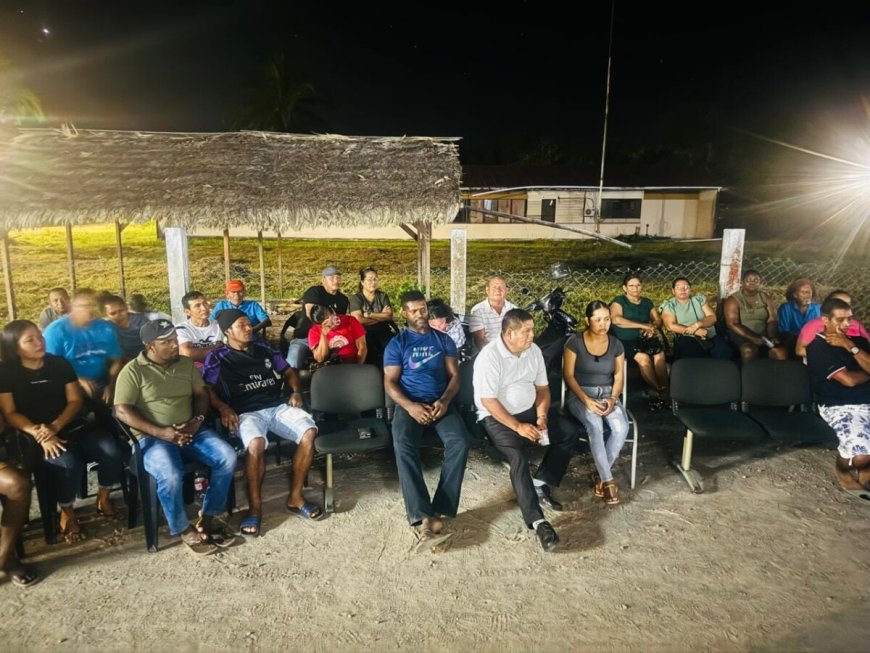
point(328, 293)
point(246, 376)
point(162, 398)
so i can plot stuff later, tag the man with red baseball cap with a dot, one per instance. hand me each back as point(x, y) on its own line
point(236, 299)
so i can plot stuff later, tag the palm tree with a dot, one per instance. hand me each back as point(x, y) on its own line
point(17, 102)
point(280, 103)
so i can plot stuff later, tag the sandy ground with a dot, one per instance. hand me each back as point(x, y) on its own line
point(772, 557)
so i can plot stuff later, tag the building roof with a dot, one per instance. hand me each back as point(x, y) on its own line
point(263, 180)
point(579, 177)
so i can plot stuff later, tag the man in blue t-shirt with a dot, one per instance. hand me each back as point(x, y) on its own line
point(258, 317)
point(89, 344)
point(421, 374)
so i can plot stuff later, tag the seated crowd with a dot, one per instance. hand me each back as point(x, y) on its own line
point(61, 388)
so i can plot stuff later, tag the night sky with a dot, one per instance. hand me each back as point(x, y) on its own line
point(518, 78)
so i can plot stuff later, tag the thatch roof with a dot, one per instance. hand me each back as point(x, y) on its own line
point(265, 180)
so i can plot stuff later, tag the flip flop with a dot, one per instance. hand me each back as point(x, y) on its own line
point(218, 532)
point(250, 526)
point(25, 578)
point(308, 511)
point(201, 547)
point(427, 540)
point(862, 495)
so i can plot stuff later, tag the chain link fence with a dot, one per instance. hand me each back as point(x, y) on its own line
point(585, 285)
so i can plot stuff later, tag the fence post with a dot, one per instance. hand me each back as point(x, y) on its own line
point(731, 261)
point(458, 241)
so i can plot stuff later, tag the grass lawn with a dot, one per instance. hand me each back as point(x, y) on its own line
point(39, 262)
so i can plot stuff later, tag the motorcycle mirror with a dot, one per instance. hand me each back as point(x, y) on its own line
point(559, 271)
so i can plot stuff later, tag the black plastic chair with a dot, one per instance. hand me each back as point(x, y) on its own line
point(777, 395)
point(706, 394)
point(144, 488)
point(465, 400)
point(339, 396)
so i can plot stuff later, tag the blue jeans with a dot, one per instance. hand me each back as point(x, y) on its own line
point(297, 353)
point(603, 455)
point(165, 462)
point(407, 433)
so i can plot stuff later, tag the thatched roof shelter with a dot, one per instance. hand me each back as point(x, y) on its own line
point(264, 180)
point(268, 181)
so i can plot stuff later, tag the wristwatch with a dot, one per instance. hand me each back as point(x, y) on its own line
point(854, 351)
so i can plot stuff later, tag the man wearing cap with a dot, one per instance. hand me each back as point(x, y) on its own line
point(328, 293)
point(162, 398)
point(421, 374)
point(198, 336)
point(260, 320)
point(244, 377)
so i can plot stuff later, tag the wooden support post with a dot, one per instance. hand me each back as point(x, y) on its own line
point(71, 259)
point(262, 269)
point(424, 257)
point(731, 262)
point(280, 269)
point(120, 252)
point(7, 276)
point(226, 254)
point(177, 266)
point(458, 241)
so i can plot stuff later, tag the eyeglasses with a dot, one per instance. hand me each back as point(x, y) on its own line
point(682, 287)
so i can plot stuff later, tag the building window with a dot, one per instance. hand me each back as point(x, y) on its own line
point(620, 209)
point(548, 210)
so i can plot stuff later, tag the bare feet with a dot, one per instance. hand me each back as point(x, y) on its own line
point(434, 524)
point(69, 526)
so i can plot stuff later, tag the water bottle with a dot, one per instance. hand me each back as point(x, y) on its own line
point(544, 440)
point(200, 485)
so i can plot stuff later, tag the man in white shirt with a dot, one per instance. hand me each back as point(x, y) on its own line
point(512, 396)
point(197, 335)
point(486, 316)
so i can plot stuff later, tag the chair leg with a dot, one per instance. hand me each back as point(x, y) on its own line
point(634, 439)
point(47, 498)
point(685, 466)
point(132, 498)
point(328, 499)
point(148, 489)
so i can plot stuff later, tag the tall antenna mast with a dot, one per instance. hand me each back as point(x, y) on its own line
point(606, 114)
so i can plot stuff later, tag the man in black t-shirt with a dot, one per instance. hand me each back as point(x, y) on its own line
point(839, 368)
point(246, 376)
point(328, 293)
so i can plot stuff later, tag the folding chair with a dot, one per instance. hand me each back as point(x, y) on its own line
point(777, 395)
point(705, 393)
point(339, 396)
point(632, 422)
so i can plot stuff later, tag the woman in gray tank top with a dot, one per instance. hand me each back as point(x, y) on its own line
point(593, 366)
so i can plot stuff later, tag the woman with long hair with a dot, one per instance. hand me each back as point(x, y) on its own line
point(41, 398)
point(592, 366)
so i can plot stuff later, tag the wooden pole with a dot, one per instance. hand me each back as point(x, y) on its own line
point(120, 251)
point(424, 257)
point(280, 269)
point(7, 276)
point(226, 254)
point(71, 259)
point(458, 241)
point(262, 268)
